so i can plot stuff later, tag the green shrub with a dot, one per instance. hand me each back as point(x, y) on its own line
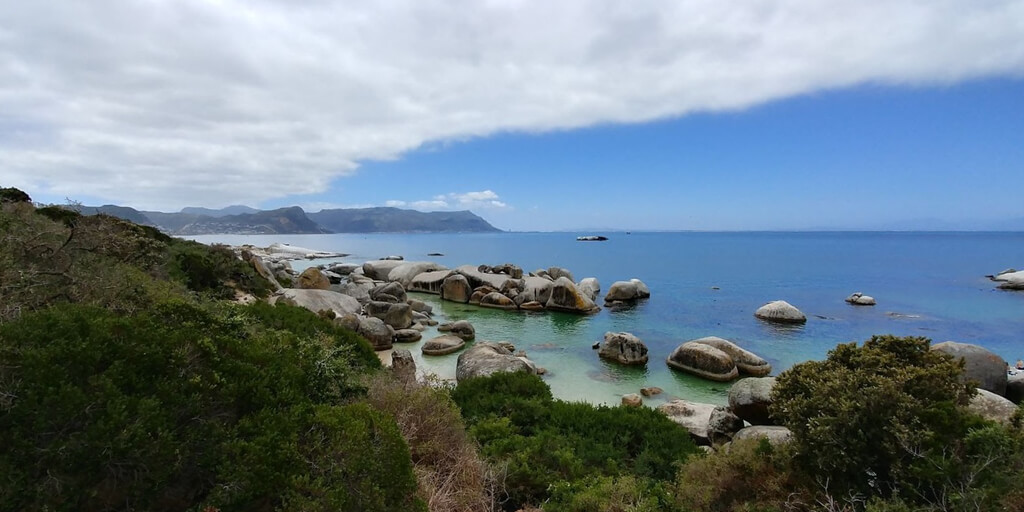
point(214, 270)
point(608, 494)
point(13, 195)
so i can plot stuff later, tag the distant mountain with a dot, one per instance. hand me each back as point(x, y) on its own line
point(395, 220)
point(292, 220)
point(235, 209)
point(121, 212)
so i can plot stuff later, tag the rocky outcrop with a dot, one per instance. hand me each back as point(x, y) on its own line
point(750, 398)
point(379, 334)
point(406, 272)
point(460, 328)
point(319, 300)
point(496, 300)
point(627, 291)
point(703, 361)
point(694, 416)
point(442, 345)
point(313, 279)
point(859, 299)
point(623, 348)
point(746, 362)
point(782, 312)
point(429, 282)
point(723, 425)
point(536, 289)
point(632, 400)
point(485, 358)
point(566, 297)
point(456, 289)
point(403, 366)
point(775, 435)
point(992, 407)
point(980, 365)
point(1010, 279)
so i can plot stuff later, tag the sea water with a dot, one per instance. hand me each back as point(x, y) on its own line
point(709, 284)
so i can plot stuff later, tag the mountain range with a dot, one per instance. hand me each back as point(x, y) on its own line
point(243, 220)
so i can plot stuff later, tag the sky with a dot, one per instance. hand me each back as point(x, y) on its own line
point(760, 114)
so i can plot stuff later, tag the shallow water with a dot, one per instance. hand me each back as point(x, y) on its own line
point(926, 284)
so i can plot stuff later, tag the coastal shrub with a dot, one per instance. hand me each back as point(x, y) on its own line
point(13, 195)
point(181, 406)
point(609, 494)
point(749, 475)
point(215, 270)
point(544, 442)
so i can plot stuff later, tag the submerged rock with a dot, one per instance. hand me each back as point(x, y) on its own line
point(980, 365)
point(632, 400)
point(782, 312)
point(703, 361)
point(623, 348)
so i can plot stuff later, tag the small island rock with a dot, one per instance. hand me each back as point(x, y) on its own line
point(623, 348)
point(859, 299)
point(703, 361)
point(442, 345)
point(460, 328)
point(632, 400)
point(780, 311)
point(485, 358)
point(746, 362)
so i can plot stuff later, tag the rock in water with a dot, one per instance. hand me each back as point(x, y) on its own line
point(782, 312)
point(992, 407)
point(441, 345)
point(403, 366)
point(623, 348)
point(980, 365)
point(746, 362)
point(632, 400)
point(566, 297)
point(1010, 279)
point(651, 391)
point(460, 328)
point(703, 361)
point(456, 289)
point(485, 358)
point(859, 299)
point(497, 301)
point(313, 279)
point(429, 282)
point(407, 336)
point(750, 398)
point(589, 287)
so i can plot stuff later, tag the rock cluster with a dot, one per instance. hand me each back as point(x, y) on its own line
point(717, 359)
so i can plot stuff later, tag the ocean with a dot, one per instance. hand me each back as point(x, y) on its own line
point(709, 284)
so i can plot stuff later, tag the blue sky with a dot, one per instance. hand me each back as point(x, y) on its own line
point(578, 114)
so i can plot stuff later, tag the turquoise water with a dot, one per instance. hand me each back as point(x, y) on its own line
point(926, 284)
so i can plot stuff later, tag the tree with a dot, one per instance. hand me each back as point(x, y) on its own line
point(13, 195)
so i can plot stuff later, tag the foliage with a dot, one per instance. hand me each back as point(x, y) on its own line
point(214, 269)
point(750, 475)
point(544, 442)
point(181, 406)
point(13, 195)
point(607, 494)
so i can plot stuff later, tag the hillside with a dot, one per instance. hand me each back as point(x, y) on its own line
point(292, 220)
point(392, 220)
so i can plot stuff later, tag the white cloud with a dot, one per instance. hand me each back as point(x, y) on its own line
point(486, 199)
point(164, 102)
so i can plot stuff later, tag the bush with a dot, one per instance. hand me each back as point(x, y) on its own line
point(750, 475)
point(13, 195)
point(214, 270)
point(544, 442)
point(182, 406)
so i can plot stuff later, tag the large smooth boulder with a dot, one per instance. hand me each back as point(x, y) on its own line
point(723, 425)
point(536, 289)
point(623, 348)
point(442, 345)
point(782, 312)
point(775, 435)
point(556, 272)
point(859, 299)
point(486, 358)
point(621, 291)
point(566, 297)
point(1010, 280)
point(379, 269)
point(262, 269)
point(694, 416)
point(589, 286)
point(313, 279)
point(460, 328)
point(746, 362)
point(429, 282)
point(980, 365)
point(992, 407)
point(477, 278)
point(1015, 387)
point(395, 292)
point(420, 307)
point(703, 361)
point(405, 272)
point(513, 271)
point(642, 290)
point(378, 333)
point(632, 400)
point(496, 300)
point(360, 292)
point(750, 398)
point(398, 316)
point(407, 335)
point(403, 366)
point(456, 289)
point(319, 300)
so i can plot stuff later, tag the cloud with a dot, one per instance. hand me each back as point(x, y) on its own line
point(164, 102)
point(486, 199)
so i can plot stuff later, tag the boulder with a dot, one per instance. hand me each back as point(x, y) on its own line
point(642, 290)
point(477, 278)
point(356, 291)
point(460, 328)
point(556, 272)
point(531, 306)
point(403, 366)
point(348, 321)
point(456, 289)
point(261, 268)
point(590, 287)
point(394, 290)
point(651, 391)
point(782, 312)
point(775, 435)
point(419, 306)
point(429, 282)
point(497, 301)
point(566, 297)
point(485, 358)
point(319, 300)
point(980, 365)
point(407, 335)
point(703, 361)
point(750, 398)
point(379, 334)
point(513, 271)
point(313, 279)
point(536, 289)
point(343, 269)
point(623, 348)
point(723, 425)
point(398, 316)
point(1015, 387)
point(622, 291)
point(1010, 280)
point(632, 400)
point(859, 299)
point(379, 269)
point(442, 345)
point(404, 273)
point(992, 407)
point(694, 416)
point(746, 362)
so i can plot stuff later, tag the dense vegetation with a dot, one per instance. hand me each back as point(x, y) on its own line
point(130, 378)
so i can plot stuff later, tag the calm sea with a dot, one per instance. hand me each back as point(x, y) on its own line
point(709, 284)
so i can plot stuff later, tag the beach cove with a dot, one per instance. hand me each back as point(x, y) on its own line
point(709, 284)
